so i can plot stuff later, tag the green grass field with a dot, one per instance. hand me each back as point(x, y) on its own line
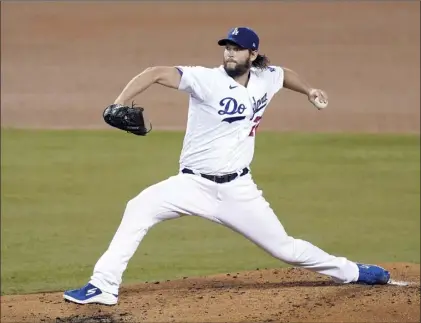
point(63, 194)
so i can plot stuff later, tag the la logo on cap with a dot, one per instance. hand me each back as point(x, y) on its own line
point(235, 31)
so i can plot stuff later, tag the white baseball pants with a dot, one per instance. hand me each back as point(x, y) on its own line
point(238, 205)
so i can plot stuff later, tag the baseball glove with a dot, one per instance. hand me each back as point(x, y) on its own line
point(126, 118)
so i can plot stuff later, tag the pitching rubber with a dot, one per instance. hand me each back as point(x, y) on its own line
point(399, 283)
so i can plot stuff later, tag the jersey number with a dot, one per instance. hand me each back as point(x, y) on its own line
point(256, 125)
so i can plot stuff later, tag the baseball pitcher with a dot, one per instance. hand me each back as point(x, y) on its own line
point(226, 105)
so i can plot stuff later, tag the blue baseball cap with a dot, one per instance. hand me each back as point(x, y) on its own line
point(242, 36)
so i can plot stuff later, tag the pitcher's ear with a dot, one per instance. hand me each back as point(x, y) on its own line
point(253, 55)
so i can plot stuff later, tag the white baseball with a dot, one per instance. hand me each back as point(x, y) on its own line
point(320, 104)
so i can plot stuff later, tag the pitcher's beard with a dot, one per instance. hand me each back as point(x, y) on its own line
point(238, 70)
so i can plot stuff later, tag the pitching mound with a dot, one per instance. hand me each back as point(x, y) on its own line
point(263, 295)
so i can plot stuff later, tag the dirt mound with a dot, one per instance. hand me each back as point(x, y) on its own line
point(268, 295)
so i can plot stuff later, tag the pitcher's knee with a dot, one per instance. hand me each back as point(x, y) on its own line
point(149, 196)
point(144, 206)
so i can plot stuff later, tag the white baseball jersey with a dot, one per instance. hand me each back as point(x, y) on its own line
point(223, 116)
point(220, 133)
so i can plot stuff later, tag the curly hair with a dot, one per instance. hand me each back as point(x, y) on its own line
point(261, 62)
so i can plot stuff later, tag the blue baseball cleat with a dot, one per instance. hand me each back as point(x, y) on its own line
point(90, 294)
point(372, 275)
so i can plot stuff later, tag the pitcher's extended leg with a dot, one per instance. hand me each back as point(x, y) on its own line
point(245, 210)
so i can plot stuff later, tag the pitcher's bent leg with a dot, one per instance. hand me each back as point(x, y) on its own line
point(141, 213)
point(181, 194)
